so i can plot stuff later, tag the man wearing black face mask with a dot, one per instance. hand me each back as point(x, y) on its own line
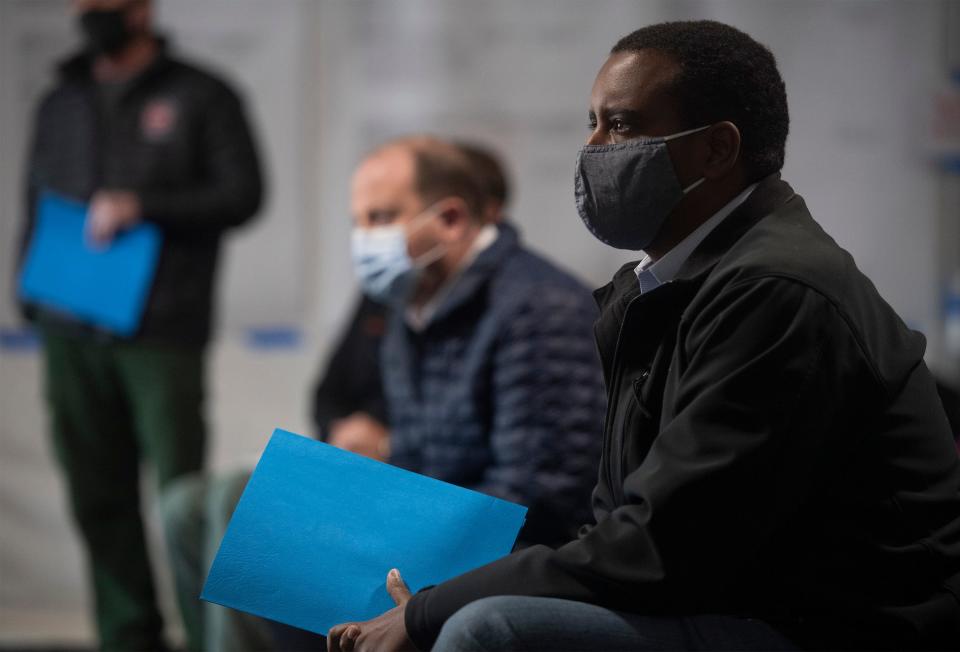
point(141, 137)
point(778, 472)
point(107, 31)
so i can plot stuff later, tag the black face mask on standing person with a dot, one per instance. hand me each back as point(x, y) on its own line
point(105, 30)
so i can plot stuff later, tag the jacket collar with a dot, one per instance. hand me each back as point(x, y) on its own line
point(770, 193)
point(621, 297)
point(478, 272)
point(77, 67)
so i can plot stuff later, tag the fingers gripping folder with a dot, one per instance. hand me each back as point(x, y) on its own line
point(105, 287)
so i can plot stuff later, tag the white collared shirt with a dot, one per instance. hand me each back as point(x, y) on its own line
point(417, 319)
point(652, 275)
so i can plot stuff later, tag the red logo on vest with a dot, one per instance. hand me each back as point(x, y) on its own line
point(158, 119)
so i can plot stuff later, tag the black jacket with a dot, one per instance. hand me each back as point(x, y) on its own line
point(351, 380)
point(774, 448)
point(175, 135)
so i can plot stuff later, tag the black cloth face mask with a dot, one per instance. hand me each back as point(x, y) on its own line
point(105, 30)
point(625, 191)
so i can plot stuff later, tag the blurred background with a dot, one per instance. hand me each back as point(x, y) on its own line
point(874, 147)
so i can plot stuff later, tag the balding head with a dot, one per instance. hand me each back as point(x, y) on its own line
point(440, 170)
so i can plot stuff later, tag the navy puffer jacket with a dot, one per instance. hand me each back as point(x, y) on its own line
point(502, 392)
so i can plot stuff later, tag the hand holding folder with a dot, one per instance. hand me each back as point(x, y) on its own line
point(105, 286)
point(317, 530)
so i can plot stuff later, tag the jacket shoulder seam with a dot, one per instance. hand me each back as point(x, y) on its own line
point(835, 304)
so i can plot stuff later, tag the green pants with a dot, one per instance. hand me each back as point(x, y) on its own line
point(113, 406)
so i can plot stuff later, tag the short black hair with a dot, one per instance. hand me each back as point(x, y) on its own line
point(724, 75)
point(489, 169)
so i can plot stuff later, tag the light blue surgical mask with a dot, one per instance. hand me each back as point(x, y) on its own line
point(626, 191)
point(382, 263)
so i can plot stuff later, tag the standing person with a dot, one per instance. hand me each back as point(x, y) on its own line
point(778, 471)
point(142, 137)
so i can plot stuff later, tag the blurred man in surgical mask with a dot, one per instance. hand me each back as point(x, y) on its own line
point(490, 374)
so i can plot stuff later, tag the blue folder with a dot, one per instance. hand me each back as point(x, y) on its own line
point(317, 529)
point(104, 287)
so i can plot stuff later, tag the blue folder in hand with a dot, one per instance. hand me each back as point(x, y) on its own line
point(317, 529)
point(105, 287)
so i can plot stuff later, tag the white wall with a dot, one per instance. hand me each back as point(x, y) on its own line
point(326, 80)
point(859, 74)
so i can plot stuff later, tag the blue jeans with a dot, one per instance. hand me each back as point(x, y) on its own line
point(521, 623)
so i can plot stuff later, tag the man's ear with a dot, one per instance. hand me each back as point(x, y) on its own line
point(455, 218)
point(723, 142)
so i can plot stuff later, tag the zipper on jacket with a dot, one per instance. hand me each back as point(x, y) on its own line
point(639, 408)
point(638, 384)
point(613, 469)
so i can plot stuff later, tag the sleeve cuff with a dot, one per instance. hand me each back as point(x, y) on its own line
point(151, 205)
point(417, 623)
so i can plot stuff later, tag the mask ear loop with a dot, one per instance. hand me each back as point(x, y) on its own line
point(430, 256)
point(436, 252)
point(687, 133)
point(694, 185)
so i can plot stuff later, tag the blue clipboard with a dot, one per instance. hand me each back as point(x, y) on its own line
point(317, 529)
point(104, 287)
